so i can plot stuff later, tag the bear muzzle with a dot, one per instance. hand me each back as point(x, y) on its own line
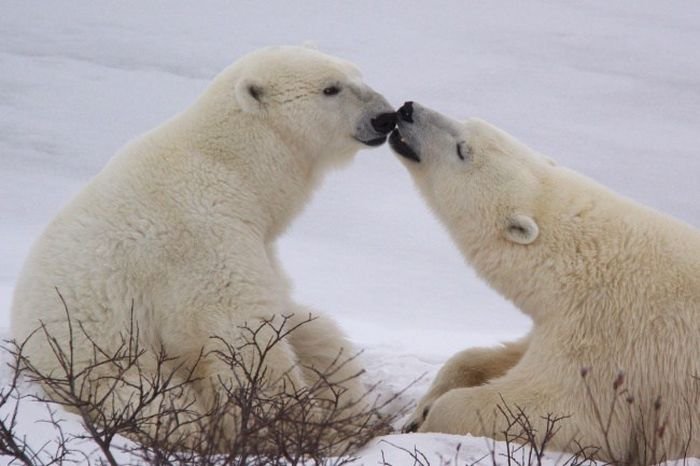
point(402, 148)
point(397, 140)
point(384, 122)
point(381, 124)
point(406, 112)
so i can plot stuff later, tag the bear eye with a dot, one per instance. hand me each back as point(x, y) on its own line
point(464, 152)
point(331, 90)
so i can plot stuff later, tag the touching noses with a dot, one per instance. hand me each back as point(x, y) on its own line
point(406, 112)
point(384, 122)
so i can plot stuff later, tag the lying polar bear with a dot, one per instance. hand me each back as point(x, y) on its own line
point(609, 284)
point(180, 226)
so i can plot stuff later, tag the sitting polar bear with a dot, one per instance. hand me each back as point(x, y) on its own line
point(609, 284)
point(180, 227)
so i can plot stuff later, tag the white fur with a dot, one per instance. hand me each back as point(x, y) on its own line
point(610, 285)
point(181, 223)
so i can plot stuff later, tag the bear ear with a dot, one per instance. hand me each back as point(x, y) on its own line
point(249, 94)
point(521, 229)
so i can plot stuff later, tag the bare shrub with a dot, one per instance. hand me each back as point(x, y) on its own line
point(523, 445)
point(275, 423)
point(647, 424)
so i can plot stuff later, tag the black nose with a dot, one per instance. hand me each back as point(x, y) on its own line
point(384, 122)
point(406, 112)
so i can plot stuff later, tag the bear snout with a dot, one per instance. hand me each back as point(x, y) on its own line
point(384, 122)
point(406, 112)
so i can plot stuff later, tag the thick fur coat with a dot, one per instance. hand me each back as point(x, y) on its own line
point(611, 286)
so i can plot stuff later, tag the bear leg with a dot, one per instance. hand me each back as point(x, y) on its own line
point(468, 368)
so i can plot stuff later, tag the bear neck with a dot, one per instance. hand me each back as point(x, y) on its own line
point(268, 179)
point(596, 249)
point(510, 273)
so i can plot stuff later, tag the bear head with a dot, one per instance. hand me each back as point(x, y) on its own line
point(483, 184)
point(310, 100)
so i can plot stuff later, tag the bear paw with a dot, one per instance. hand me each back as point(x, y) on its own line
point(416, 420)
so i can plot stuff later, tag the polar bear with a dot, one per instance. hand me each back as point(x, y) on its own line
point(179, 230)
point(609, 284)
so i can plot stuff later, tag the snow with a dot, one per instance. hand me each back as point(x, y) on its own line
point(611, 89)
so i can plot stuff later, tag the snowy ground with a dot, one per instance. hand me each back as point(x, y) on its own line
point(611, 89)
